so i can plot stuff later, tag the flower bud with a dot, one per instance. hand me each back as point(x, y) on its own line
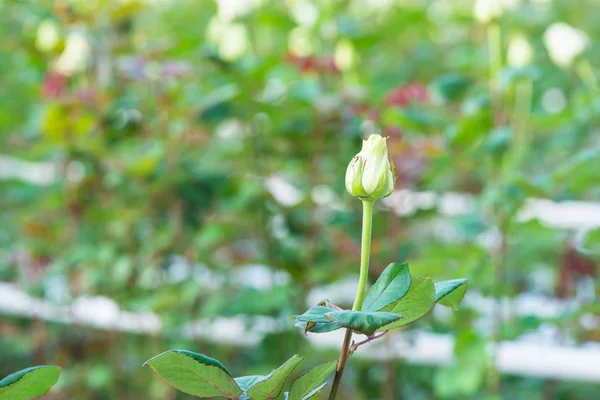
point(370, 174)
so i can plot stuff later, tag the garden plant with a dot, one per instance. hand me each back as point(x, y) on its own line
point(396, 299)
point(171, 177)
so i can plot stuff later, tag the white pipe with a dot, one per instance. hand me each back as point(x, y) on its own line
point(525, 357)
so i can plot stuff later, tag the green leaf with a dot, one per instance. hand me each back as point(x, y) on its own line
point(361, 321)
point(246, 382)
point(450, 293)
point(449, 87)
point(309, 383)
point(419, 300)
point(272, 385)
point(498, 140)
point(392, 284)
point(458, 381)
point(309, 395)
point(318, 327)
point(466, 376)
point(313, 319)
point(29, 383)
point(195, 374)
point(314, 392)
point(590, 244)
point(314, 314)
point(411, 117)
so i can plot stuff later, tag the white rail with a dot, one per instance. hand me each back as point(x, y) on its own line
point(529, 357)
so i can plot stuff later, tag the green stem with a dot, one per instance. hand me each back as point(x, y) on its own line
point(512, 164)
point(365, 252)
point(586, 72)
point(494, 37)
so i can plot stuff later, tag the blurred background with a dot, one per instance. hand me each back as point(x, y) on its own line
point(172, 176)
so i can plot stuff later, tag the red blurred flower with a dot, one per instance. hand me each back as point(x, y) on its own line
point(365, 110)
point(86, 96)
point(312, 63)
point(54, 85)
point(403, 95)
point(392, 131)
point(327, 63)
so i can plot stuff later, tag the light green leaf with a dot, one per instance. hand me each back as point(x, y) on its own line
point(309, 383)
point(361, 321)
point(246, 382)
point(392, 284)
point(272, 385)
point(466, 376)
point(458, 381)
point(29, 383)
point(314, 392)
point(419, 300)
point(195, 374)
point(450, 293)
point(590, 244)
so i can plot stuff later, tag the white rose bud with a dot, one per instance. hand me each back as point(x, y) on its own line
point(370, 174)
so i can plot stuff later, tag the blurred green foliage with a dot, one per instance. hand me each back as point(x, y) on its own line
point(167, 130)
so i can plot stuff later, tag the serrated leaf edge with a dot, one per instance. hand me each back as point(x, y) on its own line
point(225, 394)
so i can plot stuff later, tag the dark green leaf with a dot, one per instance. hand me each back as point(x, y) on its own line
point(317, 312)
point(419, 300)
point(314, 314)
point(393, 283)
point(469, 130)
point(450, 293)
point(411, 118)
point(309, 383)
point(195, 374)
point(363, 322)
point(318, 327)
point(449, 87)
point(272, 385)
point(498, 141)
point(29, 383)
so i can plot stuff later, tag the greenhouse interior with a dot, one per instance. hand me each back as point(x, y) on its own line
point(299, 199)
